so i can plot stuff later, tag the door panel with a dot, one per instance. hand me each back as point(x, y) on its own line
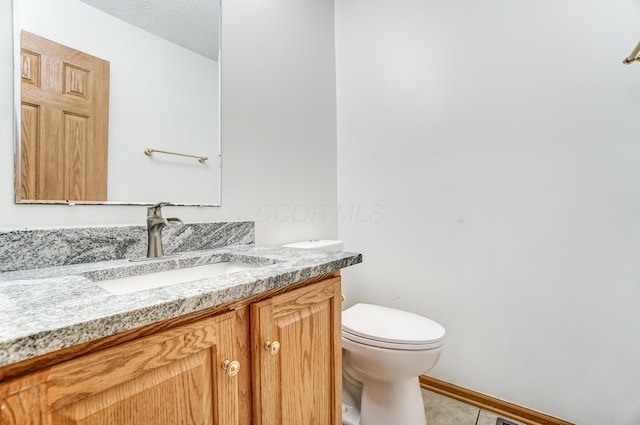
point(171, 394)
point(63, 145)
point(301, 382)
point(174, 377)
point(22, 401)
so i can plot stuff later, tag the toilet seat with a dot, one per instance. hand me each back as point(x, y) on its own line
point(389, 345)
point(386, 327)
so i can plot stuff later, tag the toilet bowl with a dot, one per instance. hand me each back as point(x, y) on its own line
point(384, 351)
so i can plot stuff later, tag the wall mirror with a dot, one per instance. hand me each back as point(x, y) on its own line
point(161, 98)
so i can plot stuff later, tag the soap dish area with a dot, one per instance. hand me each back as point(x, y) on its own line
point(326, 245)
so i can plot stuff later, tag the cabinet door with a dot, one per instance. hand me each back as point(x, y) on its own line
point(296, 356)
point(22, 401)
point(174, 377)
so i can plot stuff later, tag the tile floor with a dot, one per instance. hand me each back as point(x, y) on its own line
point(441, 410)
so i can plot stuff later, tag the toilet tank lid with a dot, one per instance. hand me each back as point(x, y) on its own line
point(328, 245)
point(391, 325)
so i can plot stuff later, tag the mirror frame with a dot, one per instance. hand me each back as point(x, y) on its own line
point(17, 130)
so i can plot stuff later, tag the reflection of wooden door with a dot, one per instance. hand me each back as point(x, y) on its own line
point(64, 112)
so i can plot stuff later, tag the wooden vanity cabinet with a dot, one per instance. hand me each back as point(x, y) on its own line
point(185, 375)
point(297, 357)
point(173, 377)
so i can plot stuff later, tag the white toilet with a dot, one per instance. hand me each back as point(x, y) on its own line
point(384, 351)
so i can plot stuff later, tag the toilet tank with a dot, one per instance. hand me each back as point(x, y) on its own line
point(327, 245)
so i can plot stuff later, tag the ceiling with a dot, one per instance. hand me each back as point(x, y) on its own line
point(193, 24)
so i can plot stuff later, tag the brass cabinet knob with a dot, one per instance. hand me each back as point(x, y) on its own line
point(343, 297)
point(272, 346)
point(232, 367)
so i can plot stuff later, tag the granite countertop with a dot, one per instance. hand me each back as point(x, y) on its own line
point(48, 309)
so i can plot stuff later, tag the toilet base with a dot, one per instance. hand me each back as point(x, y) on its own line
point(350, 415)
point(398, 402)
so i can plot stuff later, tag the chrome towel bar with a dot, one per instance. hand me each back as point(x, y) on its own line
point(201, 159)
point(633, 56)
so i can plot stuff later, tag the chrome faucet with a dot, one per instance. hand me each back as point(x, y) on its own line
point(155, 224)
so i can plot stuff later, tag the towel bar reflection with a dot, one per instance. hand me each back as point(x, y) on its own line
point(633, 56)
point(200, 159)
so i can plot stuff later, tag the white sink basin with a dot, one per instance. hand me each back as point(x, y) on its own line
point(129, 284)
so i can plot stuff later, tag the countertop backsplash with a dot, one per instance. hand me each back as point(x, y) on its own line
point(38, 248)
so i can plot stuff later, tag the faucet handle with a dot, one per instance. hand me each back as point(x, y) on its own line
point(174, 222)
point(156, 210)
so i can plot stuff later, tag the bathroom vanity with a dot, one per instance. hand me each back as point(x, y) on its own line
point(257, 346)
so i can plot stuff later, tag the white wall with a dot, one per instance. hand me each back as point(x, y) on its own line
point(498, 141)
point(161, 96)
point(278, 127)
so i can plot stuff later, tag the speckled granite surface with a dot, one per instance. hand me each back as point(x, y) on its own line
point(30, 249)
point(47, 309)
